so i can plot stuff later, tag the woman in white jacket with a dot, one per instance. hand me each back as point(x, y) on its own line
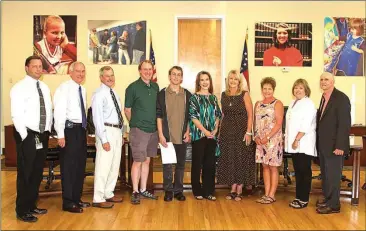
point(300, 140)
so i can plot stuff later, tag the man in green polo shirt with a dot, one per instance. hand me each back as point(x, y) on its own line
point(140, 110)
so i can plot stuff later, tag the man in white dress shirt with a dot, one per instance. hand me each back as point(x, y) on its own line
point(108, 122)
point(70, 125)
point(31, 112)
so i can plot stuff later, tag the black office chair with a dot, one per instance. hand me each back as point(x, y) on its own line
point(90, 129)
point(286, 173)
point(286, 155)
point(343, 178)
point(51, 159)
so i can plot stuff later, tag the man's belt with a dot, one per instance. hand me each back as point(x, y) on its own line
point(113, 125)
point(70, 124)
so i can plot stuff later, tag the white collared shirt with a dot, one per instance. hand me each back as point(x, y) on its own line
point(104, 110)
point(67, 105)
point(25, 105)
point(301, 118)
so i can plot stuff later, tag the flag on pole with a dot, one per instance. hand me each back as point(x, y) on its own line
point(244, 69)
point(152, 59)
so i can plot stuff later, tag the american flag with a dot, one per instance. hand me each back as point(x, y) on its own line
point(152, 59)
point(244, 69)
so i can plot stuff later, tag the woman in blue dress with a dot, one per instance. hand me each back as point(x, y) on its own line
point(352, 49)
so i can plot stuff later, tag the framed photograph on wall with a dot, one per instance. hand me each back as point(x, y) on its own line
point(283, 44)
point(116, 42)
point(344, 46)
point(54, 40)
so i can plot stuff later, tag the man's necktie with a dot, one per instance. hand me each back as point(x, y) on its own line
point(322, 102)
point(120, 119)
point(42, 110)
point(83, 114)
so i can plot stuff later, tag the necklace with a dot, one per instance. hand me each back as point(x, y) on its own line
point(231, 98)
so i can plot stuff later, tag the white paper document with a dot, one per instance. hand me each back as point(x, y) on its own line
point(168, 155)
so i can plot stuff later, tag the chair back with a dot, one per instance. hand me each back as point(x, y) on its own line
point(89, 122)
point(285, 154)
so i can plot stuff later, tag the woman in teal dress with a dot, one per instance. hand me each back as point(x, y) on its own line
point(205, 114)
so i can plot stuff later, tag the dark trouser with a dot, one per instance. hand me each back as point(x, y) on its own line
point(303, 174)
point(72, 165)
point(180, 150)
point(203, 157)
point(30, 163)
point(104, 52)
point(331, 171)
point(95, 55)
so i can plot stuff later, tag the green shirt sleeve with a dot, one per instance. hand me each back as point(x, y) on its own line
point(194, 108)
point(129, 96)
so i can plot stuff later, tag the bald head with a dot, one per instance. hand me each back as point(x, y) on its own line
point(327, 81)
point(77, 72)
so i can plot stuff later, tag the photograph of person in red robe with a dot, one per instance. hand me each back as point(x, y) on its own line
point(282, 53)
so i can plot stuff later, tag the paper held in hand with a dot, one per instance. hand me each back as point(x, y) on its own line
point(168, 155)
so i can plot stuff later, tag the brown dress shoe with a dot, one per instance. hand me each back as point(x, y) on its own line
point(103, 205)
point(327, 210)
point(115, 199)
point(73, 209)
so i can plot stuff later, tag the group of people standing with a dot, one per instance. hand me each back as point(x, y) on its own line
point(32, 115)
point(244, 135)
point(111, 49)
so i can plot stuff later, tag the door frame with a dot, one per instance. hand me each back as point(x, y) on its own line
point(223, 40)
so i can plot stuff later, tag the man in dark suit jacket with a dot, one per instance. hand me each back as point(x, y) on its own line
point(333, 128)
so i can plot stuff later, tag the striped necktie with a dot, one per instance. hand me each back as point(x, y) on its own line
point(42, 110)
point(120, 119)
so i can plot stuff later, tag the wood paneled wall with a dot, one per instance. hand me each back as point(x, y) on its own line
point(199, 48)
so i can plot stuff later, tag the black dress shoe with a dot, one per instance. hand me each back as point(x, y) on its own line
point(327, 210)
point(38, 211)
point(73, 209)
point(27, 218)
point(168, 196)
point(84, 204)
point(180, 197)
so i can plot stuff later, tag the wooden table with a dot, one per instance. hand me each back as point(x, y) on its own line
point(356, 150)
point(126, 181)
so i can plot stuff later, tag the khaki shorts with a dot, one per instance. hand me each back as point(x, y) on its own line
point(143, 144)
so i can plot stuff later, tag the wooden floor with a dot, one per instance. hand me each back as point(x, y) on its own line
point(188, 215)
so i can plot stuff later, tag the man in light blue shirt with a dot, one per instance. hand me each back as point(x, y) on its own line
point(108, 122)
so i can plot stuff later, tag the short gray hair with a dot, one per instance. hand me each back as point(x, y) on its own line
point(328, 74)
point(72, 65)
point(105, 68)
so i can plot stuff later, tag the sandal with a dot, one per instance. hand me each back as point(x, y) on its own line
point(297, 204)
point(231, 196)
point(268, 200)
point(260, 200)
point(198, 197)
point(210, 198)
point(239, 197)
